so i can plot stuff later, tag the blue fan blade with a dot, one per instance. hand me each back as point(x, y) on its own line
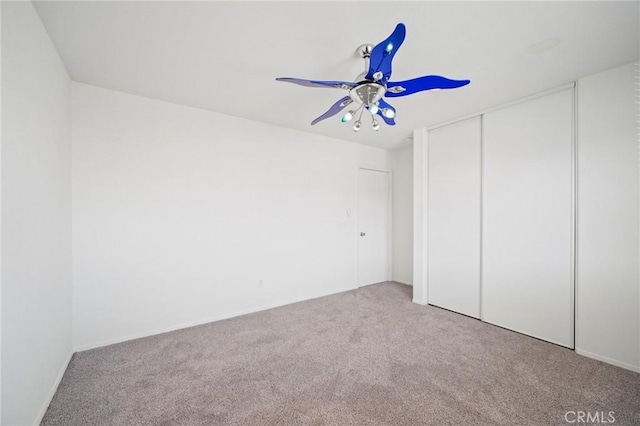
point(428, 82)
point(316, 83)
point(382, 54)
point(335, 108)
point(382, 104)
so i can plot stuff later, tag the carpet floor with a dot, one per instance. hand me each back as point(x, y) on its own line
point(364, 357)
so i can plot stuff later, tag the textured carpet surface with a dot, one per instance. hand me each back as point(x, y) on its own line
point(364, 357)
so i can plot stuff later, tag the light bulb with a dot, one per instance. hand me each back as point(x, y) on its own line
point(388, 112)
point(347, 117)
point(373, 109)
point(356, 126)
point(389, 47)
point(375, 125)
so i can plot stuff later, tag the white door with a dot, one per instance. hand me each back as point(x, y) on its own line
point(373, 226)
point(527, 282)
point(454, 217)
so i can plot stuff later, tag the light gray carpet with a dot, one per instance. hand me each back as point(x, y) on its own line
point(364, 357)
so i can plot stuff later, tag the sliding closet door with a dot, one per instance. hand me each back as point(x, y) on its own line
point(527, 218)
point(454, 217)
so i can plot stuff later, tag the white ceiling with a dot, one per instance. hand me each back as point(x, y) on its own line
point(225, 56)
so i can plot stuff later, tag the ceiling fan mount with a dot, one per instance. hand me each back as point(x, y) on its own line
point(364, 50)
point(372, 85)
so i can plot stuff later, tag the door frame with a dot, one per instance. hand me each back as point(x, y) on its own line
point(389, 172)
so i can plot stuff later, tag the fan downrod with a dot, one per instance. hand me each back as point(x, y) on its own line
point(364, 51)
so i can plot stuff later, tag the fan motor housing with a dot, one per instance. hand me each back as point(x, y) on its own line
point(367, 92)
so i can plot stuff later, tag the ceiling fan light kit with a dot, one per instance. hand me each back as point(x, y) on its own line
point(371, 86)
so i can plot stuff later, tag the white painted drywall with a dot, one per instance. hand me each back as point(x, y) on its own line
point(527, 223)
point(36, 216)
point(183, 216)
point(402, 166)
point(608, 279)
point(453, 208)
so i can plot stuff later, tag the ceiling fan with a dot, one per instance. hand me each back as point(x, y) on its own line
point(371, 86)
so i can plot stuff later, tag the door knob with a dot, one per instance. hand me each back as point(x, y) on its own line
point(362, 234)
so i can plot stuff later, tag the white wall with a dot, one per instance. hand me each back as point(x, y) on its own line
point(608, 303)
point(180, 214)
point(36, 216)
point(402, 166)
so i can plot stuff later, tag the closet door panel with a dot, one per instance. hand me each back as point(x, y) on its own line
point(527, 218)
point(454, 217)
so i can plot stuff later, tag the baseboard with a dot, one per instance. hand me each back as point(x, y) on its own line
point(608, 360)
point(402, 282)
point(206, 320)
point(420, 302)
point(53, 390)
